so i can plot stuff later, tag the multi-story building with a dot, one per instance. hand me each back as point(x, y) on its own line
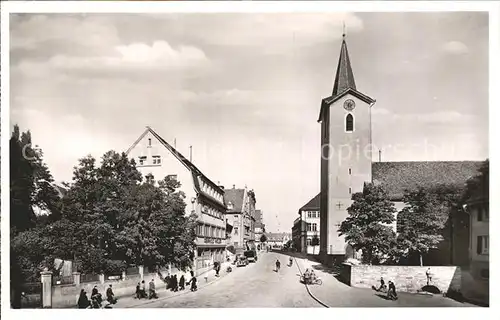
point(260, 227)
point(299, 235)
point(240, 213)
point(309, 215)
point(157, 159)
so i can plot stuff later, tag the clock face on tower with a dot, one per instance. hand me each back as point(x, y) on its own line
point(349, 105)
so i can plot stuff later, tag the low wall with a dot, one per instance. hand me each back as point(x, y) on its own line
point(406, 278)
point(66, 296)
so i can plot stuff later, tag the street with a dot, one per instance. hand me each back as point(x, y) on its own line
point(258, 285)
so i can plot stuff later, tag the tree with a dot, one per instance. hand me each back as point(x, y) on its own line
point(315, 242)
point(263, 238)
point(479, 185)
point(367, 226)
point(421, 221)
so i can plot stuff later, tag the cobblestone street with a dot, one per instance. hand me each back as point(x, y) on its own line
point(258, 285)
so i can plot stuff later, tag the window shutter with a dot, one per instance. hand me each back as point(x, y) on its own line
point(479, 244)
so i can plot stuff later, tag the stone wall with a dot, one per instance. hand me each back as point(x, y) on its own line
point(66, 296)
point(406, 278)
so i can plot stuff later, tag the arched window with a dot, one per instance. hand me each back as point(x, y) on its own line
point(349, 123)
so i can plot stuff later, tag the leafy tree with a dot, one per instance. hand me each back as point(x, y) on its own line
point(367, 226)
point(421, 221)
point(479, 185)
point(263, 238)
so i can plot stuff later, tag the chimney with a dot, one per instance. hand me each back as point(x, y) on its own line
point(379, 155)
point(234, 186)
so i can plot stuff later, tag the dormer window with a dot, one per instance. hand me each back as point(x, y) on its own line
point(142, 160)
point(156, 160)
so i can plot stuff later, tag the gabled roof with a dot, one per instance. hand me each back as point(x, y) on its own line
point(396, 177)
point(188, 164)
point(235, 197)
point(313, 204)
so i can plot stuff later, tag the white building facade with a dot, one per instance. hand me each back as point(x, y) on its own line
point(157, 159)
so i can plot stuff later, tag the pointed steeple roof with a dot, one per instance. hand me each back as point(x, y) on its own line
point(344, 78)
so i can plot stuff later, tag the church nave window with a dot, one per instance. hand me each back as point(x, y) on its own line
point(349, 123)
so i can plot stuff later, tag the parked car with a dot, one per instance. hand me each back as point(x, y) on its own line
point(251, 255)
point(242, 261)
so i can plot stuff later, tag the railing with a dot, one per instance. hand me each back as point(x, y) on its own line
point(59, 280)
point(84, 278)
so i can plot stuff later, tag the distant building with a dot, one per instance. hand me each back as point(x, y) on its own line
point(240, 213)
point(309, 223)
point(260, 227)
point(278, 240)
point(157, 159)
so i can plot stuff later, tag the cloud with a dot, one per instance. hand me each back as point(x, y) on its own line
point(31, 30)
point(134, 57)
point(455, 47)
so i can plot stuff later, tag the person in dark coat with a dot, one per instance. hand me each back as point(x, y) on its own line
point(193, 282)
point(152, 290)
point(110, 296)
point(176, 283)
point(143, 289)
point(83, 301)
point(138, 291)
point(96, 295)
point(182, 283)
point(168, 281)
point(391, 292)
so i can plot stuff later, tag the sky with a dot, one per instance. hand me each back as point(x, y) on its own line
point(245, 90)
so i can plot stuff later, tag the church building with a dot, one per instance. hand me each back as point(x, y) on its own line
point(346, 164)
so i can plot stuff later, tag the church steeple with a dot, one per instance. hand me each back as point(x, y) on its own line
point(344, 77)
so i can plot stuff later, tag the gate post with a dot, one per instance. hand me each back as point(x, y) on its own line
point(46, 279)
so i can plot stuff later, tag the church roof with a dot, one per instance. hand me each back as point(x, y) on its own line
point(313, 204)
point(235, 197)
point(344, 82)
point(344, 78)
point(396, 177)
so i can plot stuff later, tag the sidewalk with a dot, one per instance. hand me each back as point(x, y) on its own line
point(164, 294)
point(337, 294)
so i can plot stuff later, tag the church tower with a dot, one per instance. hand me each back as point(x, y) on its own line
point(346, 158)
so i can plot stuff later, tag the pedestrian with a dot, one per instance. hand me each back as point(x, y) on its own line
point(176, 283)
point(152, 290)
point(391, 292)
point(167, 281)
point(110, 295)
point(428, 274)
point(143, 289)
point(83, 301)
point(278, 264)
point(182, 282)
point(193, 282)
point(138, 291)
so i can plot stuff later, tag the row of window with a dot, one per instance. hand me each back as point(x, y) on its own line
point(312, 227)
point(312, 214)
point(309, 241)
point(212, 212)
point(203, 230)
point(155, 160)
point(205, 187)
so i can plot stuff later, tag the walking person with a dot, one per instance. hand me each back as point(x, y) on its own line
point(176, 283)
point(152, 290)
point(182, 282)
point(83, 301)
point(110, 296)
point(278, 264)
point(138, 291)
point(143, 290)
point(193, 282)
point(391, 292)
